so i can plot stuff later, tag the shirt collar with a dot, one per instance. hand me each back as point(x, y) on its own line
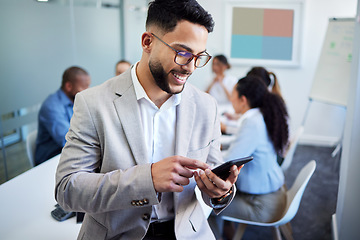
point(140, 92)
point(64, 99)
point(249, 113)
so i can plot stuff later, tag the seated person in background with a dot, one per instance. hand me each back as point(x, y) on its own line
point(263, 133)
point(55, 114)
point(222, 84)
point(269, 78)
point(272, 83)
point(121, 66)
point(220, 88)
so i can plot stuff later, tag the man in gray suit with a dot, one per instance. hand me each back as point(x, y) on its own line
point(140, 143)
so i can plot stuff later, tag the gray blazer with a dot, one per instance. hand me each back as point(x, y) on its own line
point(104, 171)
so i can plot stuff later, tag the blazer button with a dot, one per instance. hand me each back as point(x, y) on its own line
point(145, 201)
point(133, 203)
point(146, 216)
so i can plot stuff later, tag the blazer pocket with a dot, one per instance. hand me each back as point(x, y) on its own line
point(199, 154)
point(197, 218)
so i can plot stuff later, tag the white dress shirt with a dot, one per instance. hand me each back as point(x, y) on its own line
point(159, 126)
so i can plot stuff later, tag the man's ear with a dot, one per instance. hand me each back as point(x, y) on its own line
point(68, 86)
point(146, 41)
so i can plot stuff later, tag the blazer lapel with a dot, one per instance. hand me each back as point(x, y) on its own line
point(185, 113)
point(185, 118)
point(129, 114)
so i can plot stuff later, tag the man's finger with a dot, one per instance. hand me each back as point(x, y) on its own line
point(201, 184)
point(193, 163)
point(183, 181)
point(234, 172)
point(211, 185)
point(176, 188)
point(216, 180)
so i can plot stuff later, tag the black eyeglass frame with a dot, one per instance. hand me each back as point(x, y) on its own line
point(192, 55)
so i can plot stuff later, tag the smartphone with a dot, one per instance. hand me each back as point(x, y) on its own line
point(223, 171)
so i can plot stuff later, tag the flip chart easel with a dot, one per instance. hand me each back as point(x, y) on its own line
point(332, 76)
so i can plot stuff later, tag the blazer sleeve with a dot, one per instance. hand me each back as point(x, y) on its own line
point(80, 186)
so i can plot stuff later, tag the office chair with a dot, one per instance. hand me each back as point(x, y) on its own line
point(294, 195)
point(30, 146)
point(289, 153)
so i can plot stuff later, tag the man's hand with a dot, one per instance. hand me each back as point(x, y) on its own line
point(172, 173)
point(214, 186)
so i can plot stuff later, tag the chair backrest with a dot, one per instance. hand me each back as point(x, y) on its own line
point(295, 193)
point(30, 146)
point(289, 154)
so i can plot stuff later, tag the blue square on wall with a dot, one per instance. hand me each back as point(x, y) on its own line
point(277, 48)
point(246, 46)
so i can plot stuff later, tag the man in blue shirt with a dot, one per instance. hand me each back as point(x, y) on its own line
point(56, 112)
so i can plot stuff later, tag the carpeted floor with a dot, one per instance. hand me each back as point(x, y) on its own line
point(313, 220)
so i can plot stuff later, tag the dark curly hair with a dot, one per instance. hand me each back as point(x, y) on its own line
point(167, 13)
point(272, 108)
point(269, 78)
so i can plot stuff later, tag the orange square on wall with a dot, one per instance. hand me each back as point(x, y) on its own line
point(278, 22)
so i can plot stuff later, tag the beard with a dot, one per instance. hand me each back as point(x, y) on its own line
point(160, 77)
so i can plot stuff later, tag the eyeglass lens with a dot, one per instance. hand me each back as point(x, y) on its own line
point(183, 58)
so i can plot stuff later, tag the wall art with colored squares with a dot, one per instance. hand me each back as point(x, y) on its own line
point(260, 34)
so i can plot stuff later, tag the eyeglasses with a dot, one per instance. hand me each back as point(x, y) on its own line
point(184, 57)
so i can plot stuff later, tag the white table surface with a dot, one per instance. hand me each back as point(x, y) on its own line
point(26, 202)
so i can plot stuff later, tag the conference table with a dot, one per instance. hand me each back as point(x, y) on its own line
point(26, 202)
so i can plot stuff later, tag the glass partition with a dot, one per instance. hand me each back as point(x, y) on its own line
point(39, 41)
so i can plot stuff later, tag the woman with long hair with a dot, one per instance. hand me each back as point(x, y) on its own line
point(263, 134)
point(272, 83)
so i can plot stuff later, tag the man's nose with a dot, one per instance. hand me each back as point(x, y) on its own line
point(190, 66)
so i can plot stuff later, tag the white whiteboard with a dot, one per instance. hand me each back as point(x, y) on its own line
point(332, 77)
